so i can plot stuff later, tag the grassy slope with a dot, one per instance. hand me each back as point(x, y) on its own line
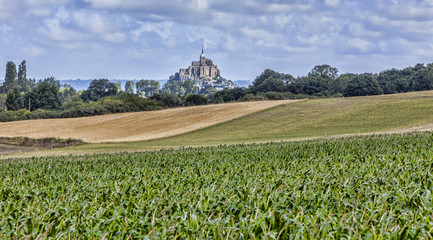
point(313, 118)
point(317, 118)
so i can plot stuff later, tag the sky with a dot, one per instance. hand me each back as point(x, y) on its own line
point(153, 39)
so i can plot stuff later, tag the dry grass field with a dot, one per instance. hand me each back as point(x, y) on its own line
point(138, 126)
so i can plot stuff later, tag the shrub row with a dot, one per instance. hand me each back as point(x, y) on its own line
point(107, 105)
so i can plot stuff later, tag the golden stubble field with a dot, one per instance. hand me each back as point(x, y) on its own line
point(137, 126)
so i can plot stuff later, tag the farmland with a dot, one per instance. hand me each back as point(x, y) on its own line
point(137, 126)
point(316, 118)
point(359, 187)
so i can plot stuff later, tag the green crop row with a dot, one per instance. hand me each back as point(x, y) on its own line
point(377, 187)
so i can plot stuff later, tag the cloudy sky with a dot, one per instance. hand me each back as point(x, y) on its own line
point(152, 39)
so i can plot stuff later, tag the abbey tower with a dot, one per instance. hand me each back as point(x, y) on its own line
point(203, 69)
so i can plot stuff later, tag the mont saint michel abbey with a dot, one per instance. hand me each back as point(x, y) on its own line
point(205, 74)
point(203, 69)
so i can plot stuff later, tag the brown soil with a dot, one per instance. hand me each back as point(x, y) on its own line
point(139, 126)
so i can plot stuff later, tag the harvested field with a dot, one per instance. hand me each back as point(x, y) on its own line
point(138, 126)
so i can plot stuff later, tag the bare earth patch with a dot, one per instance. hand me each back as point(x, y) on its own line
point(138, 126)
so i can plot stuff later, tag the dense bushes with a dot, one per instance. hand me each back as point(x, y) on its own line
point(123, 103)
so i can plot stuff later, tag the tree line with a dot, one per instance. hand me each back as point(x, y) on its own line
point(324, 81)
point(25, 98)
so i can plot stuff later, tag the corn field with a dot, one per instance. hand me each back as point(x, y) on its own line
point(377, 187)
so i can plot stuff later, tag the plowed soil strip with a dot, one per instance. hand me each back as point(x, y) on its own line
point(138, 126)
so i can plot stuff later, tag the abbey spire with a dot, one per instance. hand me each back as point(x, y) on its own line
point(202, 56)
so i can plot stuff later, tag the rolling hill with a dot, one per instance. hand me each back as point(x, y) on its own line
point(137, 126)
point(237, 123)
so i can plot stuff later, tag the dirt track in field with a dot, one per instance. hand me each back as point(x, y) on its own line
point(138, 126)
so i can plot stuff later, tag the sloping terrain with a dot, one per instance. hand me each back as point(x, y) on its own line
point(138, 126)
point(238, 123)
point(395, 113)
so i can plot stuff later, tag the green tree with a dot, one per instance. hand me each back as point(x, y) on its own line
point(421, 78)
point(208, 90)
point(14, 100)
point(270, 80)
point(169, 100)
point(363, 85)
point(2, 101)
point(129, 87)
point(189, 87)
point(67, 93)
point(22, 81)
point(310, 85)
point(325, 71)
point(44, 95)
point(118, 86)
point(146, 88)
point(230, 95)
point(195, 99)
point(98, 89)
point(339, 84)
point(10, 77)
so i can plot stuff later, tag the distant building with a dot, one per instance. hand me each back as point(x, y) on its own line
point(205, 74)
point(203, 69)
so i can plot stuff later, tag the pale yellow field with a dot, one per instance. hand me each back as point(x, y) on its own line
point(138, 126)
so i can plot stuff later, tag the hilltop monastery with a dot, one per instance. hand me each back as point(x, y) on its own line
point(205, 74)
point(203, 69)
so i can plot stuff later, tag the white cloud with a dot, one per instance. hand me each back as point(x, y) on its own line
point(163, 29)
point(358, 30)
point(116, 37)
point(92, 22)
point(33, 51)
point(62, 14)
point(360, 44)
point(256, 33)
point(54, 30)
point(333, 3)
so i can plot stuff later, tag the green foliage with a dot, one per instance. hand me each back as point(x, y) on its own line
point(181, 88)
point(129, 87)
point(146, 88)
point(10, 81)
point(230, 95)
point(209, 90)
point(338, 85)
point(310, 85)
point(251, 97)
point(169, 100)
point(22, 80)
point(270, 80)
point(41, 142)
point(14, 100)
point(134, 103)
point(324, 71)
point(67, 94)
point(78, 108)
point(195, 99)
point(44, 95)
point(355, 188)
point(363, 85)
point(277, 95)
point(2, 101)
point(76, 103)
point(98, 89)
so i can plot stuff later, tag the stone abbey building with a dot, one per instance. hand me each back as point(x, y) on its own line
point(205, 74)
point(203, 69)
